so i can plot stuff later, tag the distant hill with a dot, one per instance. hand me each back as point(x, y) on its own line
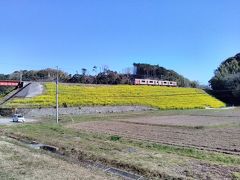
point(161, 73)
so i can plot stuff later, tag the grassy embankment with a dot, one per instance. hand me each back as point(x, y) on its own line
point(153, 96)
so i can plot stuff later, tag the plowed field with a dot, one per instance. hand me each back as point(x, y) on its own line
point(202, 132)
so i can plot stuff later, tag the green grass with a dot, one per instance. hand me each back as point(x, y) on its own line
point(154, 96)
point(1, 96)
point(190, 152)
point(115, 138)
point(236, 175)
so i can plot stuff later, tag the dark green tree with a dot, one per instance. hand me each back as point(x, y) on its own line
point(226, 74)
point(226, 80)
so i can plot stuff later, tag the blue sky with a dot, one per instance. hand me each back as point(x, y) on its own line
point(191, 37)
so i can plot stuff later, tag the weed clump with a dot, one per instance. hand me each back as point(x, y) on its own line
point(115, 138)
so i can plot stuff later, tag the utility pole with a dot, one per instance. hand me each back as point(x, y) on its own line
point(57, 97)
point(20, 75)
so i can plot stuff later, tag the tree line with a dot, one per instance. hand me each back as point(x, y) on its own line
point(105, 76)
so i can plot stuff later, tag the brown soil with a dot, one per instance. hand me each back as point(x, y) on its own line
point(157, 129)
point(186, 120)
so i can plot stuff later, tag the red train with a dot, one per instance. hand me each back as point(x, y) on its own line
point(155, 82)
point(11, 83)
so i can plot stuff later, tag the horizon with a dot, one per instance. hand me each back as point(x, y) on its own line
point(191, 38)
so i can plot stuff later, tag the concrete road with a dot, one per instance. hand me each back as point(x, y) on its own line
point(8, 121)
point(32, 90)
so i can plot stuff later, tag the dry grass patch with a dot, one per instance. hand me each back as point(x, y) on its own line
point(17, 162)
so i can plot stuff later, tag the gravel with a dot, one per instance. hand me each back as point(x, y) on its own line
point(82, 110)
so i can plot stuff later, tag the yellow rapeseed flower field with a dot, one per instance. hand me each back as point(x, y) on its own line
point(93, 95)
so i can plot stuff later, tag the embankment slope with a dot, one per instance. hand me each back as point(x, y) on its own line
point(98, 95)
